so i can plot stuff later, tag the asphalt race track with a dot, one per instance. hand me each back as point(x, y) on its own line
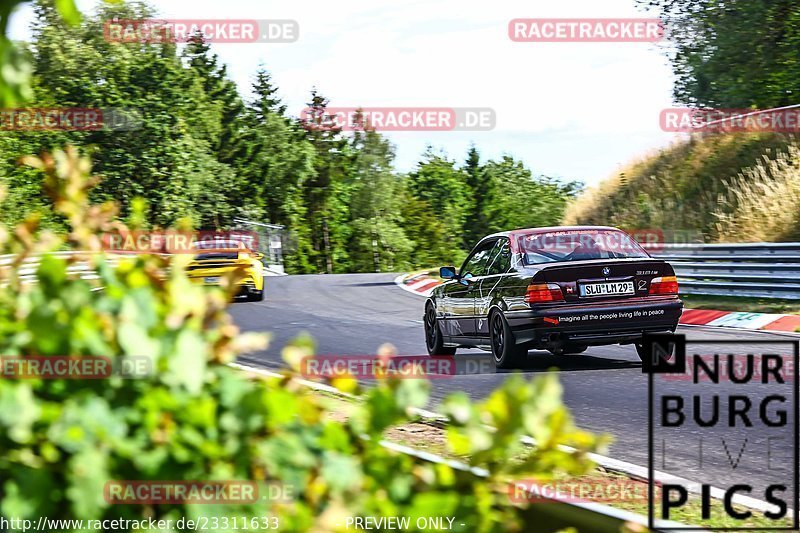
point(353, 314)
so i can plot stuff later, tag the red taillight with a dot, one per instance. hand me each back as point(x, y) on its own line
point(664, 285)
point(543, 292)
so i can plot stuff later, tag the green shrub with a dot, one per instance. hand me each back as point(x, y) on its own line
point(195, 418)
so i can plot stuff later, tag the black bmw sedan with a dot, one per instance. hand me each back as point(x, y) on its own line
point(560, 289)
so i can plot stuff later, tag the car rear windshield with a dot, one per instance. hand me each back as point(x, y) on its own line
point(217, 255)
point(218, 250)
point(578, 245)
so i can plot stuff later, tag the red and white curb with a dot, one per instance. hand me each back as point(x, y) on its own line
point(422, 284)
point(731, 319)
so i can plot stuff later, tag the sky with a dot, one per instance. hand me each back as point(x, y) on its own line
point(574, 111)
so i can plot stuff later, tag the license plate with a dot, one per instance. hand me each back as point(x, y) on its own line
point(212, 279)
point(610, 288)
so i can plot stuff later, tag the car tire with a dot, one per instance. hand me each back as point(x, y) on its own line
point(256, 296)
point(504, 349)
point(434, 341)
point(640, 351)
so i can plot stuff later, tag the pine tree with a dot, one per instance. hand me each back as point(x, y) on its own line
point(326, 196)
point(443, 187)
point(230, 134)
point(479, 186)
point(265, 99)
point(378, 241)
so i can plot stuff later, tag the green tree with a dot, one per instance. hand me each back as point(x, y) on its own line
point(266, 99)
point(283, 164)
point(233, 139)
point(168, 159)
point(431, 244)
point(200, 152)
point(378, 242)
point(733, 54)
point(518, 200)
point(327, 193)
point(480, 191)
point(444, 188)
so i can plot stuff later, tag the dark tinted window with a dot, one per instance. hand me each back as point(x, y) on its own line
point(217, 255)
point(578, 245)
point(477, 263)
point(500, 261)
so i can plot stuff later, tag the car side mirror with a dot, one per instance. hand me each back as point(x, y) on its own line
point(258, 256)
point(448, 272)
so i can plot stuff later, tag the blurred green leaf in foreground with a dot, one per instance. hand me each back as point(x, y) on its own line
point(195, 418)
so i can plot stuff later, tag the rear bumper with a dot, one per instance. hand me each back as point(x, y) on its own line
point(243, 286)
point(246, 288)
point(595, 324)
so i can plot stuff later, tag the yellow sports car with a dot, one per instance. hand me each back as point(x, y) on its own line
point(217, 259)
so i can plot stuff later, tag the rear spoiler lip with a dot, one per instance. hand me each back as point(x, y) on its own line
point(592, 262)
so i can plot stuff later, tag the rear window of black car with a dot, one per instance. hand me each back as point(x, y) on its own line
point(578, 245)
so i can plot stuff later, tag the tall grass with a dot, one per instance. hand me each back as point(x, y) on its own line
point(708, 184)
point(763, 202)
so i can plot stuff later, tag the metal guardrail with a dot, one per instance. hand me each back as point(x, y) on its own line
point(760, 269)
point(81, 267)
point(270, 242)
